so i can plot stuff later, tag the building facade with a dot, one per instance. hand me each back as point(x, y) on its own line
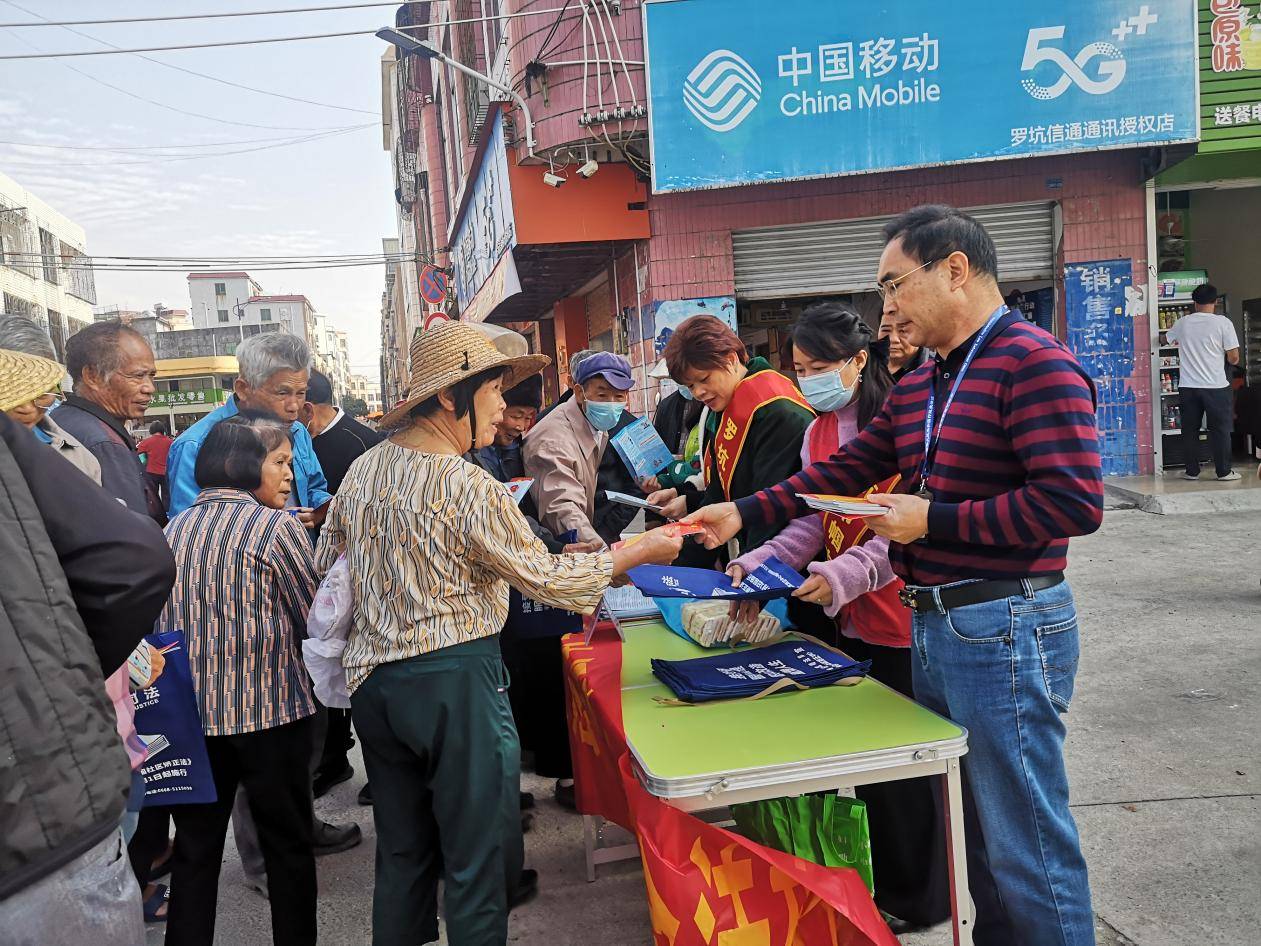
point(779, 149)
point(45, 272)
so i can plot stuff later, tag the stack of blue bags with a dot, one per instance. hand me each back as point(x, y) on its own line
point(746, 673)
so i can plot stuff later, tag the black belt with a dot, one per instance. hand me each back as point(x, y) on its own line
point(976, 592)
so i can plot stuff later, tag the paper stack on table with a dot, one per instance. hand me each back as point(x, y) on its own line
point(851, 507)
point(628, 602)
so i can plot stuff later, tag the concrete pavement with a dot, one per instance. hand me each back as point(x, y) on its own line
point(1164, 753)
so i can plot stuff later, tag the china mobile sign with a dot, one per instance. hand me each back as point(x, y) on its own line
point(743, 91)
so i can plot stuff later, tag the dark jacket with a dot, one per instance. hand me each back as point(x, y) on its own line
point(675, 418)
point(83, 580)
point(106, 437)
point(341, 445)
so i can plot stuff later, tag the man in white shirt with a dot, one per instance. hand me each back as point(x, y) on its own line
point(1206, 342)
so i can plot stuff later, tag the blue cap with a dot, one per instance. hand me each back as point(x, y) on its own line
point(615, 369)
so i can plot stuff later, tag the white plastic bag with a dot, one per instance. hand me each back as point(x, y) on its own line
point(328, 625)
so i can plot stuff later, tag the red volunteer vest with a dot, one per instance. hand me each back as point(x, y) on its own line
point(878, 616)
point(750, 396)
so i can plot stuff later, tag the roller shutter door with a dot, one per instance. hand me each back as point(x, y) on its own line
point(841, 256)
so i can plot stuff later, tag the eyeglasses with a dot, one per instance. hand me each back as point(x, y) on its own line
point(45, 401)
point(889, 288)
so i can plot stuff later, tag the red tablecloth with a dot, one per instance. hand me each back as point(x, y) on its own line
point(705, 885)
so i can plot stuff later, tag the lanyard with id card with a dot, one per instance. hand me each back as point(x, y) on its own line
point(930, 438)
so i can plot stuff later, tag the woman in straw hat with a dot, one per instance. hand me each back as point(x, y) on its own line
point(432, 543)
point(29, 381)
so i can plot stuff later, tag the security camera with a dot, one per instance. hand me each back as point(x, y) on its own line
point(589, 169)
point(552, 180)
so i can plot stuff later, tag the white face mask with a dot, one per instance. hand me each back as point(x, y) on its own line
point(827, 391)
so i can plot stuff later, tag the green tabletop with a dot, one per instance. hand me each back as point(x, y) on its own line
point(680, 742)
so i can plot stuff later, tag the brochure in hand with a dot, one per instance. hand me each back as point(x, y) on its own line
point(797, 664)
point(850, 507)
point(772, 579)
point(642, 449)
point(517, 489)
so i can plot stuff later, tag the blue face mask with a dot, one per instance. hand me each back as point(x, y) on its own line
point(686, 393)
point(603, 415)
point(826, 392)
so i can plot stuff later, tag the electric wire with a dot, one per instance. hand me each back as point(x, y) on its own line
point(193, 72)
point(163, 105)
point(262, 41)
point(211, 16)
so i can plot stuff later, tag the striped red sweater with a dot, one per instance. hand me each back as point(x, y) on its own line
point(1016, 469)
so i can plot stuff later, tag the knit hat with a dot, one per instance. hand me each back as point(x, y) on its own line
point(449, 353)
point(25, 377)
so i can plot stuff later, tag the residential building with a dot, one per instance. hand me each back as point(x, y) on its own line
point(565, 224)
point(367, 390)
point(45, 272)
point(396, 329)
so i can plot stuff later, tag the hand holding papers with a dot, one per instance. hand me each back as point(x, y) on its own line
point(849, 507)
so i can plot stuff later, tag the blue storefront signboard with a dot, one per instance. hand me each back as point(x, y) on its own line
point(742, 91)
point(1099, 306)
point(487, 229)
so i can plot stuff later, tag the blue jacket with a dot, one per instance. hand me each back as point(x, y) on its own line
point(308, 477)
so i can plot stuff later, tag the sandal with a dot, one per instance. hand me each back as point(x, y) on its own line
point(160, 901)
point(162, 867)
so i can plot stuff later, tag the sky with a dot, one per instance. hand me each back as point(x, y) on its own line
point(330, 195)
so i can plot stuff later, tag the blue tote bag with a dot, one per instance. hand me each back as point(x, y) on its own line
point(168, 722)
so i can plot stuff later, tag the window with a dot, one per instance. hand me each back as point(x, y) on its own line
point(48, 245)
point(264, 315)
point(221, 289)
point(223, 315)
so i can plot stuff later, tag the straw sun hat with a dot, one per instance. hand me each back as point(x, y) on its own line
point(449, 353)
point(25, 377)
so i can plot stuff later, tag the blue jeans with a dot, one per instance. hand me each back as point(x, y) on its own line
point(1004, 670)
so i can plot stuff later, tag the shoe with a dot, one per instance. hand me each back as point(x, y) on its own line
point(527, 821)
point(335, 838)
point(527, 801)
point(1188, 476)
point(527, 889)
point(326, 780)
point(259, 886)
point(1229, 477)
point(156, 907)
point(565, 796)
point(365, 794)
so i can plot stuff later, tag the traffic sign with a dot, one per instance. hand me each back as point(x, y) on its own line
point(433, 285)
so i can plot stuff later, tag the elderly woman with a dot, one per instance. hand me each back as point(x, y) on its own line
point(245, 581)
point(432, 543)
point(23, 335)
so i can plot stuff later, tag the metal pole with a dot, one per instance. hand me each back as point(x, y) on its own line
point(506, 89)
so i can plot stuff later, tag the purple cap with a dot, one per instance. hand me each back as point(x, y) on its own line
point(615, 369)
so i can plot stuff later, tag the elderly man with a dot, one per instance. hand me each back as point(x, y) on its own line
point(111, 367)
point(563, 451)
point(274, 370)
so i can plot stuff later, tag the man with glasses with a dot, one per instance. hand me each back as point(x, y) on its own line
point(995, 439)
point(111, 367)
point(274, 370)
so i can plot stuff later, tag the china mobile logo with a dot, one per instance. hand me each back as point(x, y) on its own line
point(722, 90)
point(1111, 70)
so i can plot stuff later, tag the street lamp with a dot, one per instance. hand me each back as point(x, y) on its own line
point(410, 44)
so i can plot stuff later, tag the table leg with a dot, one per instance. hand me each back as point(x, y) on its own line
point(588, 840)
point(960, 900)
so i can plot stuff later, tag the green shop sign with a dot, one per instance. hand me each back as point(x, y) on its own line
point(205, 396)
point(1230, 75)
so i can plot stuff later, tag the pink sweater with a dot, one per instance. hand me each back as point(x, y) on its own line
point(851, 574)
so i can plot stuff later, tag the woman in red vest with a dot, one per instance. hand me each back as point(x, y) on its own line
point(850, 579)
point(753, 425)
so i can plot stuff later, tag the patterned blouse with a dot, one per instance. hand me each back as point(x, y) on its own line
point(433, 542)
point(245, 577)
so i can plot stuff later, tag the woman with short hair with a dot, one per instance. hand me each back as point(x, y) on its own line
point(432, 544)
point(752, 436)
point(245, 581)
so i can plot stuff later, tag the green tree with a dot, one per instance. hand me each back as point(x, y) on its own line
point(355, 406)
